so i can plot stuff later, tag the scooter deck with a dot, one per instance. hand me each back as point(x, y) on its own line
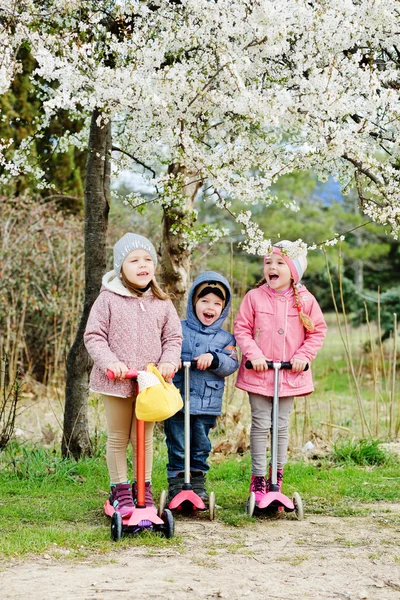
point(275, 499)
point(138, 516)
point(186, 497)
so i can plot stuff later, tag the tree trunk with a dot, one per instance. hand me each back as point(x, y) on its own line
point(175, 257)
point(76, 440)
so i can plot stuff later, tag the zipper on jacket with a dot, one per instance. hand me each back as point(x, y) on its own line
point(257, 336)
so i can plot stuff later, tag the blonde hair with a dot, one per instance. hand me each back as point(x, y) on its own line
point(157, 291)
point(305, 320)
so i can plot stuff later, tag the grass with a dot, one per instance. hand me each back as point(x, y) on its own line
point(363, 452)
point(54, 506)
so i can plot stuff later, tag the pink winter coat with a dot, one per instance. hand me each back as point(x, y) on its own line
point(268, 324)
point(136, 331)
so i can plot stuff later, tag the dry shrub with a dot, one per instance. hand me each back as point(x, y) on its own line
point(42, 284)
point(238, 441)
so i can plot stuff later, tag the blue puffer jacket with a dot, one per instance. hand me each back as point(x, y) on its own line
point(207, 387)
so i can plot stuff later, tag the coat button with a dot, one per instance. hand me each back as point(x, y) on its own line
point(280, 331)
point(197, 344)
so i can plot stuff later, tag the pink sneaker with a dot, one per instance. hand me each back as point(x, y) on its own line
point(258, 485)
point(148, 496)
point(121, 499)
point(279, 478)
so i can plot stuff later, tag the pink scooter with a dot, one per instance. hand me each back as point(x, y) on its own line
point(187, 501)
point(142, 518)
point(273, 500)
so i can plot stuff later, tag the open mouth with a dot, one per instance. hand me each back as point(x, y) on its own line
point(143, 274)
point(208, 315)
point(273, 277)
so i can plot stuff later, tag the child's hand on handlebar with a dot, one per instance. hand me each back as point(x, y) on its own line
point(204, 361)
point(167, 370)
point(118, 368)
point(298, 365)
point(260, 364)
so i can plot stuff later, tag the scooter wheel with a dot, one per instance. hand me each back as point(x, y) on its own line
point(163, 501)
point(169, 526)
point(298, 506)
point(116, 526)
point(251, 504)
point(211, 506)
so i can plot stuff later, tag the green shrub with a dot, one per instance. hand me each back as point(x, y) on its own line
point(363, 452)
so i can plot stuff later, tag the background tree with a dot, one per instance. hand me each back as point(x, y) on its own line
point(236, 95)
point(76, 440)
point(63, 171)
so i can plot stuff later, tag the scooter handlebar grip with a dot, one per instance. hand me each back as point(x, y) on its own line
point(214, 364)
point(270, 364)
point(131, 374)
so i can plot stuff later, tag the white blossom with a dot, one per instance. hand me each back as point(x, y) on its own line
point(239, 92)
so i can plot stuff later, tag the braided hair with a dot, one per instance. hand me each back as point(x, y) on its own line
point(305, 319)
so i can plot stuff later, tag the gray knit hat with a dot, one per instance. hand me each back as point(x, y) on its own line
point(129, 242)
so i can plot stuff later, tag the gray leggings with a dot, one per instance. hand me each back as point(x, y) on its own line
point(261, 421)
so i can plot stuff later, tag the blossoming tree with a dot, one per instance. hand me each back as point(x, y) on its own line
point(224, 96)
point(236, 93)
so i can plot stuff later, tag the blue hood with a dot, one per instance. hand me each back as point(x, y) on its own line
point(191, 319)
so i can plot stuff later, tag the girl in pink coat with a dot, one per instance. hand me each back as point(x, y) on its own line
point(279, 321)
point(131, 324)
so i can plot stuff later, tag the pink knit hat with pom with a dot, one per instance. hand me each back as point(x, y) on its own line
point(294, 257)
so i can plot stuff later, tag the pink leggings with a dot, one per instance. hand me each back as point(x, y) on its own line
point(121, 425)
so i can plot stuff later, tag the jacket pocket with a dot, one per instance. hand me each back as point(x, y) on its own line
point(296, 380)
point(254, 377)
point(263, 331)
point(213, 392)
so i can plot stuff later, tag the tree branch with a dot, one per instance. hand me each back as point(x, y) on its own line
point(139, 162)
point(345, 233)
point(364, 170)
point(207, 85)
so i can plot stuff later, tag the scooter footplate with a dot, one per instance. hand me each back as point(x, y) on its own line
point(188, 496)
point(143, 514)
point(277, 499)
point(138, 515)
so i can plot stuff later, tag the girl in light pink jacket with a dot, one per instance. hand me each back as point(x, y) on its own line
point(131, 324)
point(278, 321)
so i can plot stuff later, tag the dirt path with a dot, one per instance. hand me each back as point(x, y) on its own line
point(321, 558)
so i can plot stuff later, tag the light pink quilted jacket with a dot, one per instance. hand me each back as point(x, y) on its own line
point(134, 330)
point(268, 324)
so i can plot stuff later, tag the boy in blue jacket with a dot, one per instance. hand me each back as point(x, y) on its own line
point(205, 341)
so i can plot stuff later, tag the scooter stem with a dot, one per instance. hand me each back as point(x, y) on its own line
point(186, 366)
point(140, 463)
point(275, 414)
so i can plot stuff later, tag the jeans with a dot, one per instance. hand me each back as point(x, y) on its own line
point(200, 445)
